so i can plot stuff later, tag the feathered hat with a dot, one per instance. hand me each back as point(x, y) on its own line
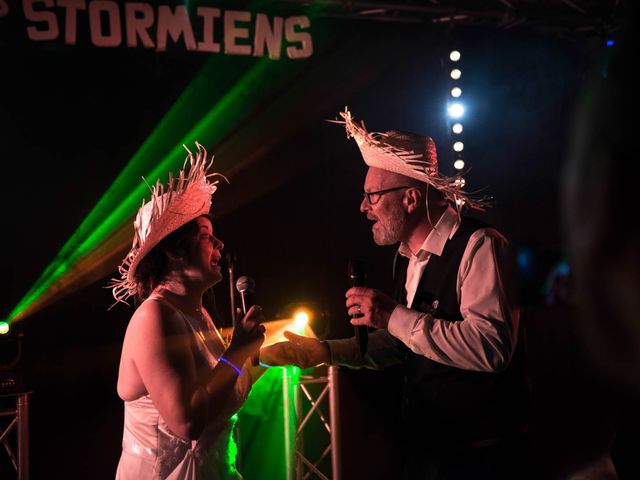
point(409, 154)
point(184, 198)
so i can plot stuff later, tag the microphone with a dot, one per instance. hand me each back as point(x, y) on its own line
point(358, 278)
point(246, 287)
point(230, 259)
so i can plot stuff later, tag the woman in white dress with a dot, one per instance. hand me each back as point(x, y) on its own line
point(180, 383)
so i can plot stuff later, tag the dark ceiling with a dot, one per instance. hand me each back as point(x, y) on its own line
point(559, 15)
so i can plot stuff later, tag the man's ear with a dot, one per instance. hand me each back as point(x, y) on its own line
point(413, 199)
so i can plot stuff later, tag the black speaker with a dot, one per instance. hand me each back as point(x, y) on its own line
point(10, 353)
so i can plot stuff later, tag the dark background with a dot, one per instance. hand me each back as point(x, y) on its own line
point(72, 116)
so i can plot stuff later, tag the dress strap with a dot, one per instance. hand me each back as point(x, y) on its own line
point(207, 338)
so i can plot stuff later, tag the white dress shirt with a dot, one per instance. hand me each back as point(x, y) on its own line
point(485, 338)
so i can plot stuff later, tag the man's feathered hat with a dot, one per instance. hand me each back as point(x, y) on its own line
point(409, 154)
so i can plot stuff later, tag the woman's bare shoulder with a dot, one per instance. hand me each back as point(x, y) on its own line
point(156, 316)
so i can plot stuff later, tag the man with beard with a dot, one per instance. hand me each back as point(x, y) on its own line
point(452, 321)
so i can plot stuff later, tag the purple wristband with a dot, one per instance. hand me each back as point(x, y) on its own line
point(224, 360)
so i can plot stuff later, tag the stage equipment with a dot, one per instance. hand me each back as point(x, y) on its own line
point(14, 404)
point(308, 405)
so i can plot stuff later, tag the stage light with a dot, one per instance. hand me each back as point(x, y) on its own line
point(274, 329)
point(610, 43)
point(456, 110)
point(4, 328)
point(300, 319)
point(459, 182)
point(524, 259)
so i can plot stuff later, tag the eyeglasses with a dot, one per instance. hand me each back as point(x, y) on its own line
point(374, 197)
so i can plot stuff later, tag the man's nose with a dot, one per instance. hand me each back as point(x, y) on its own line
point(364, 205)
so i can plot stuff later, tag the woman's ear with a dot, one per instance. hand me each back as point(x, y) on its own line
point(176, 256)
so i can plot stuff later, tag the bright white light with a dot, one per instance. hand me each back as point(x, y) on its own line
point(4, 328)
point(458, 164)
point(301, 319)
point(456, 128)
point(456, 110)
point(459, 182)
point(456, 92)
point(454, 56)
point(456, 73)
point(458, 146)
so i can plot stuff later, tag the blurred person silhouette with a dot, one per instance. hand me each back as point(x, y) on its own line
point(452, 322)
point(602, 232)
point(181, 385)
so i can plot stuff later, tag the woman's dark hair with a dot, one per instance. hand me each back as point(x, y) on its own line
point(152, 267)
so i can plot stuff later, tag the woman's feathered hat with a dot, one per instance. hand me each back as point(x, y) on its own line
point(184, 198)
point(409, 154)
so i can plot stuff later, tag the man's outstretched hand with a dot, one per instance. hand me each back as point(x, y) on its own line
point(301, 351)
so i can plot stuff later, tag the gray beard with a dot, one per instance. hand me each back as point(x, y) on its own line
point(390, 232)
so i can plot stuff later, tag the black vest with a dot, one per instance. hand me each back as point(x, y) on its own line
point(444, 405)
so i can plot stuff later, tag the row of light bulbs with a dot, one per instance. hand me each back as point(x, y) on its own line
point(456, 109)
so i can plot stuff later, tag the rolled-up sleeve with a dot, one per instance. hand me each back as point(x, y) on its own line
point(485, 338)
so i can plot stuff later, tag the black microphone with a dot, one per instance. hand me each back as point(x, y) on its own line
point(358, 278)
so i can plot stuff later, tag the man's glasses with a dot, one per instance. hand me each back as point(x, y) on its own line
point(374, 197)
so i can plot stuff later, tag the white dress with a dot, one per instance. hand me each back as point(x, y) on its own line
point(151, 451)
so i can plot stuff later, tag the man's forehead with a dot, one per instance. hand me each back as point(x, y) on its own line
point(377, 176)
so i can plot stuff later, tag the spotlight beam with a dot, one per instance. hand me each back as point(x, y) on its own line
point(95, 247)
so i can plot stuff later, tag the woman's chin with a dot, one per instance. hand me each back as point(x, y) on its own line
point(216, 275)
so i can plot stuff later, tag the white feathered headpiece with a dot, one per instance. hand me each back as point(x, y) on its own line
point(184, 198)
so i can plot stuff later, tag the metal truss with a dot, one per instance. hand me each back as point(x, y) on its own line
point(19, 419)
point(324, 406)
point(556, 15)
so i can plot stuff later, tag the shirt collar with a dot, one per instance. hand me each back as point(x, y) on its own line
point(445, 228)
